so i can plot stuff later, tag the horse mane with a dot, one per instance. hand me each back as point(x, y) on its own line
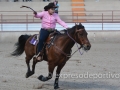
point(72, 30)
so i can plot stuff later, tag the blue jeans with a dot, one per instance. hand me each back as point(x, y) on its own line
point(42, 38)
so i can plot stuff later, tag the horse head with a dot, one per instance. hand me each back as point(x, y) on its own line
point(80, 36)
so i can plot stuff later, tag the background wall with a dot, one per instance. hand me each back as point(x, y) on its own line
point(90, 5)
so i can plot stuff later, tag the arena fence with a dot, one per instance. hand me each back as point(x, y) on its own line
point(100, 20)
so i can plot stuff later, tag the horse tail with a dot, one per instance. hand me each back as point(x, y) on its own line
point(20, 45)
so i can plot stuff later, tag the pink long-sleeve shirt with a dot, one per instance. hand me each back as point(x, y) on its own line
point(49, 21)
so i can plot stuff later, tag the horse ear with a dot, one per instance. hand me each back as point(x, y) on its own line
point(75, 24)
point(80, 24)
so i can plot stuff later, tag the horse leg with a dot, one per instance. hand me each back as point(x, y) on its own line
point(34, 63)
point(29, 72)
point(56, 85)
point(50, 74)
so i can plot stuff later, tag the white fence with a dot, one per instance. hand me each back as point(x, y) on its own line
point(37, 26)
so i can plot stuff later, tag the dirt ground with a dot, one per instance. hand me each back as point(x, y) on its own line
point(98, 69)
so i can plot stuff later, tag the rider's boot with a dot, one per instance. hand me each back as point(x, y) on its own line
point(39, 57)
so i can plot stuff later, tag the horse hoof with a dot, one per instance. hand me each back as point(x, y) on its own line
point(40, 77)
point(56, 87)
point(28, 74)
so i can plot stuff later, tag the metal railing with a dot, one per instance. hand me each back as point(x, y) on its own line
point(26, 17)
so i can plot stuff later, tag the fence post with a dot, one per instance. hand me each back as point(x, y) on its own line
point(1, 22)
point(102, 21)
point(33, 19)
point(27, 22)
point(72, 16)
point(77, 17)
point(112, 16)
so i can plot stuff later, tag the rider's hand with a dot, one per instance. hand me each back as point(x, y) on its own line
point(35, 12)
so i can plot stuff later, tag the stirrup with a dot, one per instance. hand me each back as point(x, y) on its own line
point(39, 56)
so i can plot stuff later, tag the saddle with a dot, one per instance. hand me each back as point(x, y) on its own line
point(35, 39)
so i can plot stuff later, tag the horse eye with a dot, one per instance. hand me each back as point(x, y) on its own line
point(81, 34)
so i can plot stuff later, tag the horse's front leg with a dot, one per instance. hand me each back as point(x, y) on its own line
point(56, 85)
point(50, 74)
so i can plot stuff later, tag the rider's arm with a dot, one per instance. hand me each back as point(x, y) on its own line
point(62, 23)
point(39, 15)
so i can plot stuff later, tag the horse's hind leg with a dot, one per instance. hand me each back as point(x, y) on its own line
point(29, 72)
point(34, 63)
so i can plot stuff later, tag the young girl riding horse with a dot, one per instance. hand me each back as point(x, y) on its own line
point(49, 20)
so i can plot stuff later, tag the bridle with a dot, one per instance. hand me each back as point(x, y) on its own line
point(76, 45)
point(69, 55)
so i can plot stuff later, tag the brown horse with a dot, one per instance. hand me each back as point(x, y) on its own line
point(56, 54)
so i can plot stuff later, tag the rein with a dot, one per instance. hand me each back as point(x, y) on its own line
point(69, 55)
point(76, 45)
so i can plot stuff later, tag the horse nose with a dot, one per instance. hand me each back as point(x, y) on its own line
point(88, 47)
